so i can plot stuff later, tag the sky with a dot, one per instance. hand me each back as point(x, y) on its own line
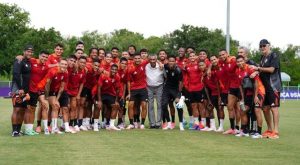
point(250, 20)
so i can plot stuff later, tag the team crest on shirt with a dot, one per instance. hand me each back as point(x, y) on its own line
point(134, 72)
point(62, 77)
point(112, 80)
point(35, 65)
point(142, 68)
point(173, 74)
point(106, 81)
point(55, 77)
point(195, 67)
point(26, 65)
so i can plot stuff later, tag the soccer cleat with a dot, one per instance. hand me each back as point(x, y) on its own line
point(266, 134)
point(70, 131)
point(15, 134)
point(130, 126)
point(88, 127)
point(76, 128)
point(256, 136)
point(56, 131)
point(242, 134)
point(201, 126)
point(121, 126)
point(229, 132)
point(29, 133)
point(114, 128)
point(191, 126)
point(168, 126)
point(181, 127)
point(136, 126)
point(172, 125)
point(212, 129)
point(35, 133)
point(46, 131)
point(164, 125)
point(205, 129)
point(83, 128)
point(236, 131)
point(96, 129)
point(38, 129)
point(220, 129)
point(274, 135)
point(142, 126)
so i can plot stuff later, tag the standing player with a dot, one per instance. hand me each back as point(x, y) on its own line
point(115, 55)
point(144, 53)
point(137, 89)
point(108, 93)
point(172, 91)
point(19, 89)
point(54, 59)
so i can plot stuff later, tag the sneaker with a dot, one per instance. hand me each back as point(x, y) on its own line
point(201, 126)
point(242, 134)
point(88, 127)
point(266, 134)
point(46, 131)
point(256, 136)
point(212, 129)
point(35, 133)
point(130, 126)
point(205, 129)
point(29, 133)
point(196, 127)
point(38, 129)
point(252, 132)
point(114, 128)
point(142, 126)
point(172, 125)
point(70, 131)
point(220, 129)
point(56, 131)
point(191, 126)
point(83, 128)
point(96, 129)
point(76, 128)
point(274, 135)
point(168, 126)
point(62, 128)
point(229, 132)
point(136, 126)
point(152, 127)
point(121, 126)
point(236, 131)
point(181, 127)
point(15, 134)
point(164, 125)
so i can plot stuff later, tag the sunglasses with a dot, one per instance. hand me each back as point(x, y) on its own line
point(262, 46)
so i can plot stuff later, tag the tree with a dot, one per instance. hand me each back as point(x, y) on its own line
point(199, 38)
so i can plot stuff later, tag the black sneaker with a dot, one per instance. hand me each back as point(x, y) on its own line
point(152, 127)
point(15, 134)
point(157, 127)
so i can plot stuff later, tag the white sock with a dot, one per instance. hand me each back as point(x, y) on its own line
point(191, 119)
point(45, 123)
point(112, 122)
point(221, 123)
point(212, 123)
point(169, 124)
point(180, 124)
point(66, 124)
point(96, 121)
point(196, 120)
point(61, 122)
point(30, 126)
point(104, 121)
point(26, 127)
point(88, 121)
point(53, 123)
point(203, 121)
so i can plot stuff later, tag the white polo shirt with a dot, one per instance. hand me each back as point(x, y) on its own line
point(155, 76)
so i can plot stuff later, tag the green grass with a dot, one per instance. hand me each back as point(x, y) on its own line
point(152, 146)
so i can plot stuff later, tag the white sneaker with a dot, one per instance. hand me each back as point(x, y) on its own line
point(220, 129)
point(136, 126)
point(256, 136)
point(76, 128)
point(88, 127)
point(83, 128)
point(167, 127)
point(205, 129)
point(212, 129)
point(142, 126)
point(181, 127)
point(46, 131)
point(69, 131)
point(121, 126)
point(114, 128)
point(237, 131)
point(241, 134)
point(96, 129)
point(56, 131)
point(130, 126)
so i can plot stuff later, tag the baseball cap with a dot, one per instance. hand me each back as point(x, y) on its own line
point(28, 47)
point(264, 42)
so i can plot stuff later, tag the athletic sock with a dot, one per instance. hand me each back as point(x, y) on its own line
point(87, 121)
point(49, 123)
point(207, 122)
point(112, 122)
point(15, 127)
point(232, 123)
point(173, 118)
point(66, 124)
point(180, 114)
point(80, 122)
point(212, 123)
point(203, 121)
point(30, 126)
point(119, 121)
point(107, 121)
point(135, 118)
point(39, 123)
point(75, 122)
point(238, 128)
point(221, 123)
point(45, 122)
point(191, 119)
point(196, 120)
point(71, 123)
point(19, 126)
point(259, 129)
point(96, 121)
point(143, 121)
point(131, 121)
point(92, 121)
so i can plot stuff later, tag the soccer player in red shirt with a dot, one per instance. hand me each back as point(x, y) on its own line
point(108, 94)
point(252, 95)
point(137, 89)
point(196, 89)
point(38, 71)
point(54, 83)
point(101, 54)
point(76, 81)
point(229, 65)
point(219, 95)
point(115, 55)
point(54, 59)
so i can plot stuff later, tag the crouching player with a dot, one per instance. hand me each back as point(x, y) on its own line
point(252, 95)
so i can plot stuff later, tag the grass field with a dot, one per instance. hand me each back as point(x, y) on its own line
point(152, 146)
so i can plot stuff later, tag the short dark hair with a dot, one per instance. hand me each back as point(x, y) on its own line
point(72, 56)
point(171, 56)
point(44, 52)
point(114, 65)
point(144, 50)
point(162, 50)
point(79, 42)
point(96, 60)
point(223, 50)
point(203, 50)
point(79, 49)
point(114, 48)
point(123, 59)
point(191, 47)
point(93, 48)
point(240, 56)
point(136, 54)
point(82, 57)
point(132, 46)
point(59, 45)
point(213, 56)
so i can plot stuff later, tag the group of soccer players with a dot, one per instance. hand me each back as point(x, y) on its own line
point(81, 88)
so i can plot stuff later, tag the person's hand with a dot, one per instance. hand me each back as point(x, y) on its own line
point(253, 74)
point(78, 97)
point(56, 103)
point(128, 97)
point(21, 92)
point(19, 57)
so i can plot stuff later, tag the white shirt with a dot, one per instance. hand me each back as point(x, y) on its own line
point(155, 76)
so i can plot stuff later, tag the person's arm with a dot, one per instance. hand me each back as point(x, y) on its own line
point(47, 88)
point(61, 89)
point(128, 89)
point(79, 91)
point(99, 96)
point(17, 75)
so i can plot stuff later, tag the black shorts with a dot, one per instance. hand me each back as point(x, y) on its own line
point(196, 97)
point(235, 91)
point(272, 99)
point(108, 100)
point(87, 93)
point(63, 100)
point(33, 99)
point(139, 94)
point(249, 101)
point(204, 95)
point(18, 101)
point(169, 95)
point(215, 101)
point(186, 94)
point(224, 99)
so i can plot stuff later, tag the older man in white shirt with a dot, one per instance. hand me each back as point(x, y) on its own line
point(155, 80)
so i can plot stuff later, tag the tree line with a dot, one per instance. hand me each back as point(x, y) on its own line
point(15, 32)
